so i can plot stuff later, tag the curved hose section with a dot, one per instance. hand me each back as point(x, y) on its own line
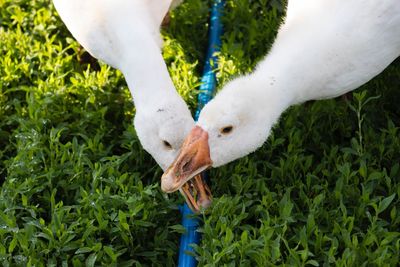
point(206, 91)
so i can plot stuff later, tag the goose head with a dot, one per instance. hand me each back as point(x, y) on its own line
point(162, 132)
point(235, 123)
point(162, 128)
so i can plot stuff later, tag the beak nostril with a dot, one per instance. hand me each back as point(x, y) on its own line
point(186, 166)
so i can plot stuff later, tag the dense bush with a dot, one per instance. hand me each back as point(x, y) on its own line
point(77, 188)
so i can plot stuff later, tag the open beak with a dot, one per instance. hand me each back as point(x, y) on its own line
point(197, 193)
point(193, 159)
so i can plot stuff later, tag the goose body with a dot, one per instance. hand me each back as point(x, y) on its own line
point(322, 50)
point(125, 34)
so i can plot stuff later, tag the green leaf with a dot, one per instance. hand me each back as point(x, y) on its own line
point(12, 245)
point(83, 250)
point(110, 252)
point(384, 203)
point(91, 260)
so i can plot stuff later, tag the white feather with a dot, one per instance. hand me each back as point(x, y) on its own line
point(323, 49)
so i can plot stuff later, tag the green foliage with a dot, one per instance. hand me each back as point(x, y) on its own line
point(77, 189)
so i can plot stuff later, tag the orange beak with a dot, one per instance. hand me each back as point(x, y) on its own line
point(192, 160)
point(184, 173)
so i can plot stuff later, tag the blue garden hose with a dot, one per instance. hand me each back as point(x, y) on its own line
point(206, 91)
point(209, 81)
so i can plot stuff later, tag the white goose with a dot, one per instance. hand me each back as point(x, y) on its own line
point(126, 35)
point(323, 49)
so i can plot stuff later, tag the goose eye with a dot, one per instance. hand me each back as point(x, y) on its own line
point(167, 144)
point(226, 129)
